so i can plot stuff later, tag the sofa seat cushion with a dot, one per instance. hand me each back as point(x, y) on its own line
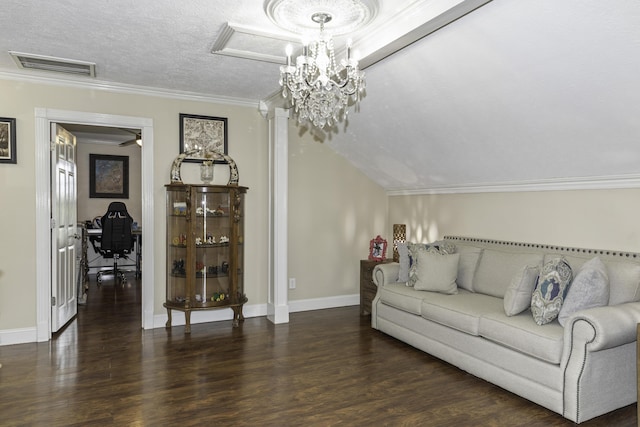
point(521, 333)
point(400, 296)
point(461, 311)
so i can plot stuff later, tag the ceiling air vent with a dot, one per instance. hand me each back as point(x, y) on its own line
point(50, 63)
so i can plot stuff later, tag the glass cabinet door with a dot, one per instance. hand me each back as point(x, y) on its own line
point(239, 250)
point(212, 234)
point(177, 238)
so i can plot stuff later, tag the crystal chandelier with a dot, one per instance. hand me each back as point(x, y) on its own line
point(321, 89)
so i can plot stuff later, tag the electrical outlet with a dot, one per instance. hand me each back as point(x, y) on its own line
point(292, 283)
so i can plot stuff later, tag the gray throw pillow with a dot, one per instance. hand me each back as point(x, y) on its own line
point(439, 247)
point(518, 296)
point(590, 288)
point(437, 272)
point(553, 284)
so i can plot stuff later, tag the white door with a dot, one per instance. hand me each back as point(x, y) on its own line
point(63, 227)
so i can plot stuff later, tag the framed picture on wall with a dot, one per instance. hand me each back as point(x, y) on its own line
point(377, 249)
point(7, 140)
point(202, 133)
point(108, 176)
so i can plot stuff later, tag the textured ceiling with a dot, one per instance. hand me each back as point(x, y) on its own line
point(528, 91)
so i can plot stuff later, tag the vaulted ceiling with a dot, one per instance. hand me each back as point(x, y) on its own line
point(515, 94)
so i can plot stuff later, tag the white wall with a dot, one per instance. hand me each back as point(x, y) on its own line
point(334, 209)
point(595, 219)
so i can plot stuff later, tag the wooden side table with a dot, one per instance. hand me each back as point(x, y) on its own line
point(367, 288)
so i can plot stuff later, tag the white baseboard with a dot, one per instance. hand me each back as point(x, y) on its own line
point(205, 316)
point(323, 303)
point(256, 310)
point(18, 336)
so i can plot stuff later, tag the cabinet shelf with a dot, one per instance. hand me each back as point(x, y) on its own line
point(201, 275)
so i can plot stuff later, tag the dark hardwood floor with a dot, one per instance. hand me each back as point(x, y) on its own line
point(325, 367)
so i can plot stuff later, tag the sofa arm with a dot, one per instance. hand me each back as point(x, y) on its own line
point(604, 327)
point(383, 274)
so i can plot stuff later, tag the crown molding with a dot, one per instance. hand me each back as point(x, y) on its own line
point(412, 23)
point(563, 184)
point(127, 89)
point(271, 102)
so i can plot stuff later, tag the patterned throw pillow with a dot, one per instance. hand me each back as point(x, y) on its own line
point(439, 247)
point(405, 262)
point(553, 284)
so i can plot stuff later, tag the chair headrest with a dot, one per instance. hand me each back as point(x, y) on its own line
point(117, 207)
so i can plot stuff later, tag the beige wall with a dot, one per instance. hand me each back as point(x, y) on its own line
point(597, 219)
point(89, 208)
point(247, 145)
point(334, 211)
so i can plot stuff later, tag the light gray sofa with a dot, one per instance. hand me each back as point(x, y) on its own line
point(582, 370)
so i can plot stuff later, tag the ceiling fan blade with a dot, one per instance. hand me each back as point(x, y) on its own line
point(126, 143)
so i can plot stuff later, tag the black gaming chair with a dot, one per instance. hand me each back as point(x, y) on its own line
point(116, 241)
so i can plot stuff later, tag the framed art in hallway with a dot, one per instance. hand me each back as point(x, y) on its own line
point(7, 140)
point(108, 176)
point(202, 133)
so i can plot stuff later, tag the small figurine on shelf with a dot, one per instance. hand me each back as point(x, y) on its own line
point(210, 239)
point(218, 296)
point(200, 267)
point(198, 240)
point(224, 239)
point(179, 208)
point(225, 267)
point(178, 267)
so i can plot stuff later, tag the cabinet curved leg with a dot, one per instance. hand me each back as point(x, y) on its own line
point(237, 316)
point(187, 324)
point(168, 324)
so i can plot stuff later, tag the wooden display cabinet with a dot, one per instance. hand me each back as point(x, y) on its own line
point(205, 256)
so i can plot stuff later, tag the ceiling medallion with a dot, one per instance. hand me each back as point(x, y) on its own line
point(320, 88)
point(295, 15)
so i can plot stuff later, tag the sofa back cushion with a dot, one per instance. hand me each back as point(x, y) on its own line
point(496, 269)
point(624, 277)
point(469, 257)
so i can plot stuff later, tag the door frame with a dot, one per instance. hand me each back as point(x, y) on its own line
point(43, 118)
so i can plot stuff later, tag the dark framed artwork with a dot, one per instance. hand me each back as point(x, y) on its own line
point(377, 249)
point(7, 140)
point(202, 133)
point(108, 176)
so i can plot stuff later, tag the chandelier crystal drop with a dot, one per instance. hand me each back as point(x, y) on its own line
point(321, 89)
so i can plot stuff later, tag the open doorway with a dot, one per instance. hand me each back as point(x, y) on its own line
point(108, 170)
point(44, 118)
